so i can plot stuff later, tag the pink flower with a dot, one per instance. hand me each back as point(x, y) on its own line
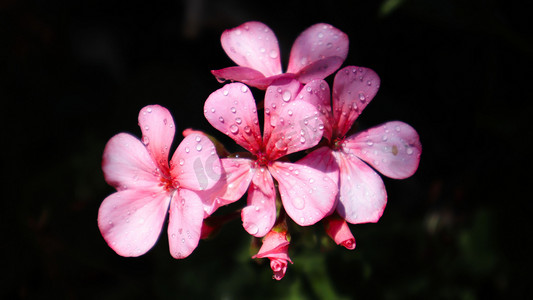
point(276, 248)
point(393, 148)
point(148, 186)
point(318, 52)
point(338, 230)
point(291, 125)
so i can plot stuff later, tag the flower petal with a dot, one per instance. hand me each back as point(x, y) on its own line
point(320, 69)
point(317, 93)
point(260, 214)
point(158, 130)
point(392, 148)
point(362, 195)
point(353, 89)
point(253, 45)
point(308, 194)
point(232, 110)
point(241, 74)
point(275, 245)
point(315, 43)
point(235, 180)
point(195, 164)
point(291, 124)
point(323, 160)
point(131, 220)
point(127, 164)
point(185, 223)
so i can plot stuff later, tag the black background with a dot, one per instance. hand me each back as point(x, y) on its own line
point(74, 73)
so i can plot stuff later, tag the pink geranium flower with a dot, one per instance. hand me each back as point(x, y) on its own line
point(148, 186)
point(393, 148)
point(318, 52)
point(291, 124)
point(276, 248)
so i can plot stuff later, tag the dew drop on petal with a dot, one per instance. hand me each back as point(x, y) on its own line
point(234, 129)
point(298, 203)
point(187, 149)
point(362, 97)
point(244, 89)
point(182, 161)
point(199, 147)
point(225, 92)
point(247, 129)
point(221, 119)
point(253, 229)
point(286, 96)
point(238, 120)
point(273, 54)
point(409, 151)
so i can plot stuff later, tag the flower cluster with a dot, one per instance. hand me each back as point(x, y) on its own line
point(334, 181)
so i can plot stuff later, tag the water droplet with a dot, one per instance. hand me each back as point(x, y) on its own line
point(262, 50)
point(238, 121)
point(221, 119)
point(173, 236)
point(213, 110)
point(244, 89)
point(182, 161)
point(267, 111)
point(187, 149)
point(289, 112)
point(362, 97)
point(199, 147)
point(384, 138)
point(149, 109)
point(409, 151)
point(302, 140)
point(286, 96)
point(369, 143)
point(252, 229)
point(233, 110)
point(145, 140)
point(146, 127)
point(329, 45)
point(234, 128)
point(225, 92)
point(273, 54)
point(238, 32)
point(320, 35)
point(397, 128)
point(247, 129)
point(298, 203)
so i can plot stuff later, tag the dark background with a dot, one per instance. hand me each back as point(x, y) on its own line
point(74, 73)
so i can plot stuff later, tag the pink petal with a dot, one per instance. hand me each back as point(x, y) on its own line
point(130, 221)
point(323, 160)
point(308, 194)
point(195, 164)
point(158, 130)
point(320, 69)
point(362, 195)
point(236, 178)
point(185, 223)
point(353, 89)
point(392, 148)
point(291, 124)
point(253, 45)
point(317, 93)
point(232, 110)
point(128, 165)
point(260, 214)
point(241, 74)
point(315, 43)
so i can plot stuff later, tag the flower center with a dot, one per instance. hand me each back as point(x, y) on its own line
point(261, 159)
point(168, 184)
point(337, 143)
